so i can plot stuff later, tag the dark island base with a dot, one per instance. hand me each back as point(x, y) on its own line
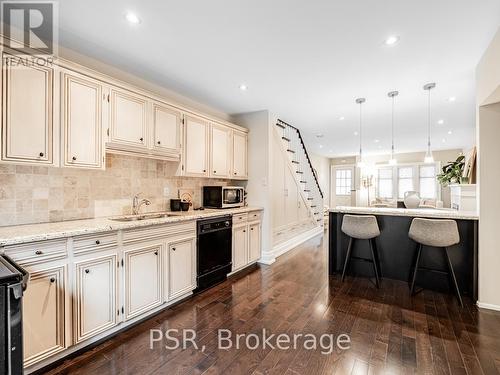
point(397, 253)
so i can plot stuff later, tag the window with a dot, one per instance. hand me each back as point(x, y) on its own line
point(343, 181)
point(427, 176)
point(385, 183)
point(405, 181)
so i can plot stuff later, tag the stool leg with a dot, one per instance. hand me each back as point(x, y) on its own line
point(375, 268)
point(415, 269)
point(347, 257)
point(377, 258)
point(453, 277)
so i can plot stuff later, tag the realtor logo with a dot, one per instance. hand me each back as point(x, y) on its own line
point(29, 27)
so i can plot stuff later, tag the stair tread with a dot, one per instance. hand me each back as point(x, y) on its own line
point(295, 162)
point(300, 172)
point(286, 139)
point(281, 126)
point(293, 152)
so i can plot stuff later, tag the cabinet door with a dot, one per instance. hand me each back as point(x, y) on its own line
point(220, 151)
point(254, 242)
point(128, 120)
point(166, 130)
point(196, 147)
point(142, 280)
point(240, 247)
point(82, 122)
point(96, 294)
point(44, 314)
point(181, 268)
point(27, 119)
point(240, 149)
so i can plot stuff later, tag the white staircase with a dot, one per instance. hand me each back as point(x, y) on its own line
point(305, 173)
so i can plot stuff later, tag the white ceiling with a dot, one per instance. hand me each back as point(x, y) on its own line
point(305, 61)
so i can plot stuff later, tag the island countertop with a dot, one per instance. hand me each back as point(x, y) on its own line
point(437, 213)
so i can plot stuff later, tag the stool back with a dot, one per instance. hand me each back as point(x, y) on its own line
point(436, 233)
point(361, 227)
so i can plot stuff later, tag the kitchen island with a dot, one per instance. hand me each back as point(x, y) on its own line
point(397, 250)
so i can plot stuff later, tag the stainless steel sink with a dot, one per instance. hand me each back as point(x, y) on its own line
point(156, 215)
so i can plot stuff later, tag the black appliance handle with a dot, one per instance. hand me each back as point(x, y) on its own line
point(17, 267)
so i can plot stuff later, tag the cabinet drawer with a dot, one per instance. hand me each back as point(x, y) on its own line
point(94, 242)
point(239, 218)
point(35, 252)
point(158, 231)
point(255, 216)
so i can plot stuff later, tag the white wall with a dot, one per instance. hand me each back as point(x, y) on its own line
point(322, 166)
point(259, 186)
point(488, 127)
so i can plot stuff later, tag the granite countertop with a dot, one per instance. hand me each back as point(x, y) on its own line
point(438, 213)
point(18, 234)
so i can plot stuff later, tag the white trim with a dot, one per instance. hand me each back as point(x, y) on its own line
point(288, 245)
point(488, 306)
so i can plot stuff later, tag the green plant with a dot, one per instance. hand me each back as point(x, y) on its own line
point(452, 172)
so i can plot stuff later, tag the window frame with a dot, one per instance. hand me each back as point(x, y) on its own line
point(351, 171)
point(415, 177)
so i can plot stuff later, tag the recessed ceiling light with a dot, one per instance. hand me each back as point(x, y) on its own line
point(392, 40)
point(355, 133)
point(440, 122)
point(376, 140)
point(320, 146)
point(443, 140)
point(452, 99)
point(450, 132)
point(132, 18)
point(243, 87)
point(341, 118)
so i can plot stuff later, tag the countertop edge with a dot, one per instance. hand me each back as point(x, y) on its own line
point(425, 213)
point(103, 225)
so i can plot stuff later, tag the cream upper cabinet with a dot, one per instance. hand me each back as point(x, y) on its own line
point(82, 122)
point(142, 280)
point(240, 247)
point(27, 113)
point(181, 268)
point(128, 120)
point(254, 242)
point(44, 313)
point(240, 150)
point(220, 151)
point(166, 130)
point(96, 295)
point(196, 145)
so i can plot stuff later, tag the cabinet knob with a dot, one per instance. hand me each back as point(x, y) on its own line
point(87, 271)
point(244, 231)
point(156, 252)
point(97, 242)
point(74, 158)
point(251, 228)
point(235, 173)
point(52, 280)
point(173, 248)
point(141, 139)
point(215, 171)
point(204, 170)
point(159, 142)
point(41, 154)
point(39, 252)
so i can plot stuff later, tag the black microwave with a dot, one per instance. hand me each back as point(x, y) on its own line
point(223, 196)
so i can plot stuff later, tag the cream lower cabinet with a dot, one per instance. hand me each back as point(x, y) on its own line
point(180, 267)
point(246, 239)
point(142, 268)
point(45, 316)
point(95, 306)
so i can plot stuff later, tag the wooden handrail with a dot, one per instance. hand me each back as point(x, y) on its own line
point(305, 150)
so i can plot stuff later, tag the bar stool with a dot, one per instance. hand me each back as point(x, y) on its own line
point(434, 233)
point(362, 227)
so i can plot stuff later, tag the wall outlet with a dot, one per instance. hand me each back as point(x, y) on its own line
point(166, 191)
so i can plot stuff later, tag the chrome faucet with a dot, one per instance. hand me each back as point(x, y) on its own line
point(136, 204)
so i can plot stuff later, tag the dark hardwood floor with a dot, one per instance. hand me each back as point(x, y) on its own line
point(390, 332)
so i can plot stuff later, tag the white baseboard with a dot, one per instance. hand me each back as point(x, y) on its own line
point(288, 245)
point(267, 259)
point(488, 306)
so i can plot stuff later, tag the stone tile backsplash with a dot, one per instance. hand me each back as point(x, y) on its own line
point(38, 194)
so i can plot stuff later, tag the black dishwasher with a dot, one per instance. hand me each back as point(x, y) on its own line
point(13, 281)
point(213, 250)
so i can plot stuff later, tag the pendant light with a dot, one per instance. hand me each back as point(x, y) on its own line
point(392, 160)
point(428, 155)
point(360, 101)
